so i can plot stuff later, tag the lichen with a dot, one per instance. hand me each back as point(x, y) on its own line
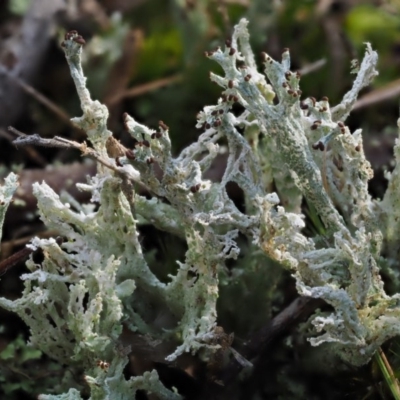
point(77, 300)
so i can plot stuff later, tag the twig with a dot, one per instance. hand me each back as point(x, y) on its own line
point(36, 140)
point(58, 111)
point(28, 48)
point(13, 260)
point(30, 152)
point(57, 141)
point(384, 93)
point(260, 341)
point(146, 87)
point(7, 246)
point(315, 66)
point(19, 256)
point(259, 346)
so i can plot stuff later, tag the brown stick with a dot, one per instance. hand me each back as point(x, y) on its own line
point(260, 342)
point(26, 50)
point(13, 260)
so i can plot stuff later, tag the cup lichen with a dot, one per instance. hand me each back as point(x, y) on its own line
point(76, 301)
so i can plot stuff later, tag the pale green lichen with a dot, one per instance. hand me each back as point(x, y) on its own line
point(76, 301)
point(6, 193)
